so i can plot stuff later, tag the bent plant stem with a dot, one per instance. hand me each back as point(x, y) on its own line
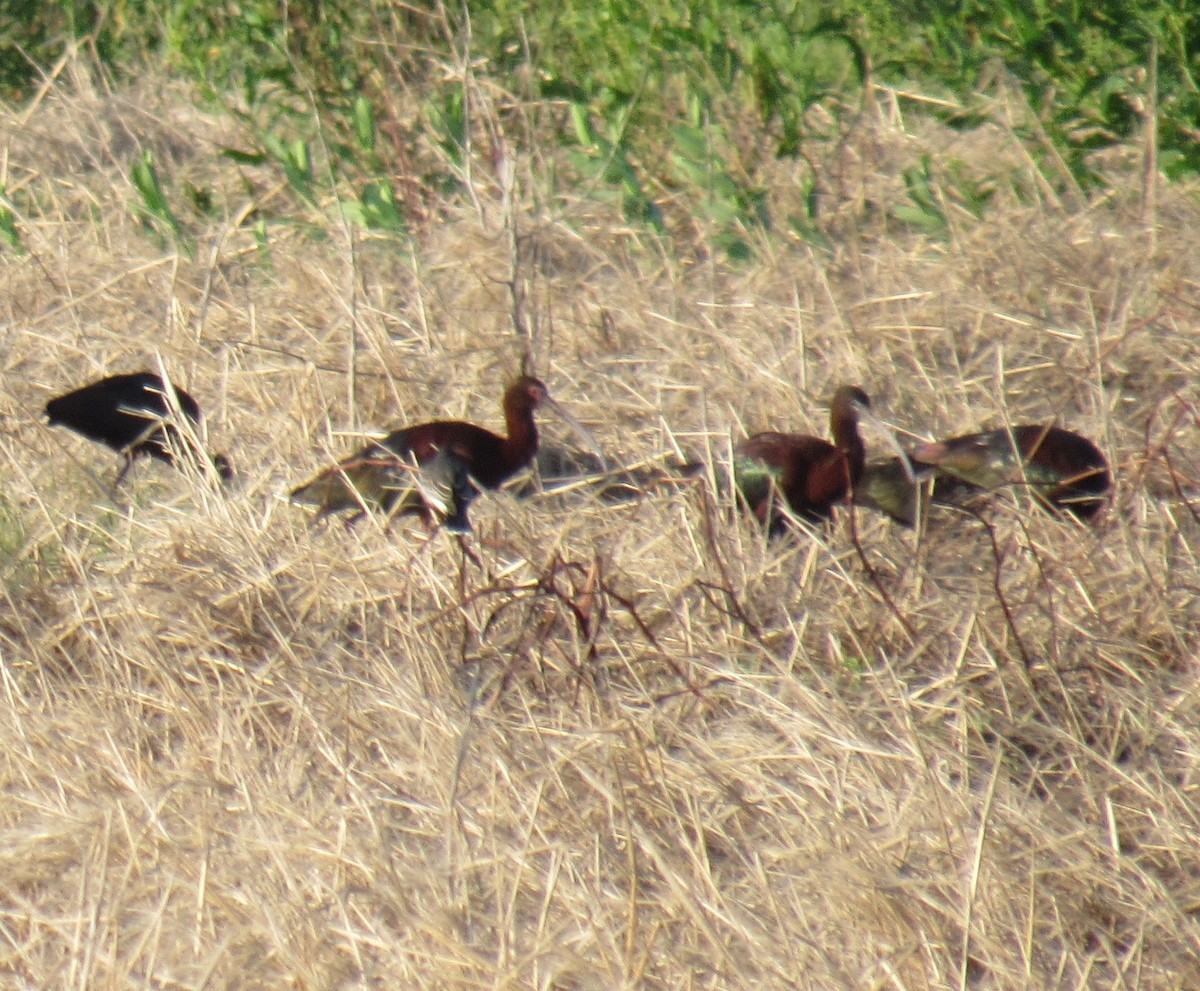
point(998, 585)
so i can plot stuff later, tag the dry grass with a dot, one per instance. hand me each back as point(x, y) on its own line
point(622, 746)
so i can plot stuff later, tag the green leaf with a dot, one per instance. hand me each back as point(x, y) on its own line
point(581, 121)
point(154, 209)
point(364, 124)
point(8, 225)
point(245, 157)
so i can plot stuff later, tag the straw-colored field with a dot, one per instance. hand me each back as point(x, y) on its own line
point(617, 746)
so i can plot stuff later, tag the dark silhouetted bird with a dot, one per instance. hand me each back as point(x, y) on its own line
point(133, 415)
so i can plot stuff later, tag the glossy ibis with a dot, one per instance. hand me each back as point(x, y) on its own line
point(808, 473)
point(1062, 469)
point(404, 472)
point(133, 415)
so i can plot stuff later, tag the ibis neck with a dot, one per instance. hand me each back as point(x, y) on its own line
point(846, 438)
point(845, 431)
point(521, 443)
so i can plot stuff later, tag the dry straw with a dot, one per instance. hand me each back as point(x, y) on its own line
point(612, 746)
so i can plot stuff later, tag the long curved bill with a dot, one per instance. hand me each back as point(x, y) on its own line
point(585, 436)
point(886, 432)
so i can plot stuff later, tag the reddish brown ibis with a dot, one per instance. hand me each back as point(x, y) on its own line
point(133, 414)
point(1063, 471)
point(435, 469)
point(808, 473)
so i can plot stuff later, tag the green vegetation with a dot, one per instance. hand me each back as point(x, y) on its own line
point(8, 224)
point(1082, 67)
point(653, 105)
point(598, 744)
point(153, 208)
